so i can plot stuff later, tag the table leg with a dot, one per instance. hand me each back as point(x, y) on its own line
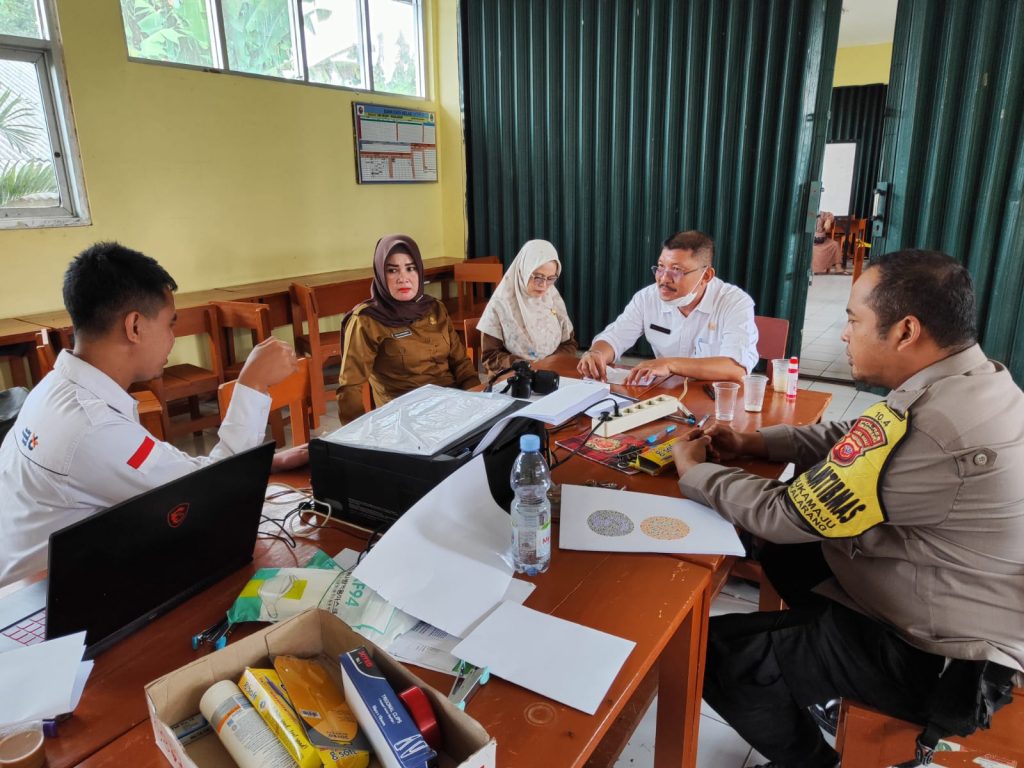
point(680, 682)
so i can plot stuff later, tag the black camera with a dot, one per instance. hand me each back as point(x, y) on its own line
point(526, 381)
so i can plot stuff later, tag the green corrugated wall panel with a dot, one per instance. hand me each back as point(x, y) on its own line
point(856, 115)
point(954, 151)
point(606, 125)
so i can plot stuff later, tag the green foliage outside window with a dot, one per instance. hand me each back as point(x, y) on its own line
point(18, 17)
point(168, 31)
point(21, 179)
point(259, 38)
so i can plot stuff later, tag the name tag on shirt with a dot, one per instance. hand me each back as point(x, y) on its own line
point(401, 334)
point(659, 328)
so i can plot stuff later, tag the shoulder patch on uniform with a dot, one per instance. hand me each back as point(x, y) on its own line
point(839, 497)
point(142, 453)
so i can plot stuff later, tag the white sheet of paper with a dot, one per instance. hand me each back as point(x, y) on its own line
point(446, 561)
point(430, 647)
point(606, 520)
point(40, 680)
point(560, 659)
point(561, 405)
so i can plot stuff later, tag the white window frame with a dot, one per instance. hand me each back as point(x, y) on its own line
point(47, 57)
point(219, 51)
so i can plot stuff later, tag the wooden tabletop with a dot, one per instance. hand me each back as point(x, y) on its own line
point(14, 331)
point(656, 601)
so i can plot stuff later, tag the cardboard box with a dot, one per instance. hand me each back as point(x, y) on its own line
point(313, 633)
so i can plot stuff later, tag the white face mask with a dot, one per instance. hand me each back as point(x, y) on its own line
point(686, 300)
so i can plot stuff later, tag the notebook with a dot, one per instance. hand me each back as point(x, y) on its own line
point(119, 569)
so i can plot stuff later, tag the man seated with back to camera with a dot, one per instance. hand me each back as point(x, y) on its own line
point(77, 445)
point(899, 547)
point(698, 325)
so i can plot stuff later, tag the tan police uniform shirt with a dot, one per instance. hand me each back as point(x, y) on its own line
point(399, 359)
point(942, 557)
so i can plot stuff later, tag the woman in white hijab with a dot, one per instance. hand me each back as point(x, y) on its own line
point(526, 319)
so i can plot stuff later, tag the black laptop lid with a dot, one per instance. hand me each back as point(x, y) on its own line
point(124, 566)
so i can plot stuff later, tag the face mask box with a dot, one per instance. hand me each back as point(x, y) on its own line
point(313, 633)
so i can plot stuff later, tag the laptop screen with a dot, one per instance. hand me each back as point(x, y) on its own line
point(124, 566)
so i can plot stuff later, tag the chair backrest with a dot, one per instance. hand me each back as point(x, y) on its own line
point(473, 340)
point(202, 321)
point(46, 350)
point(772, 336)
point(469, 274)
point(293, 393)
point(247, 315)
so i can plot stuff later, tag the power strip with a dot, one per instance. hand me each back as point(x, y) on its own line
point(637, 415)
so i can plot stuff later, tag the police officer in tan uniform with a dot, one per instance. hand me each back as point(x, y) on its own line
point(401, 338)
point(903, 532)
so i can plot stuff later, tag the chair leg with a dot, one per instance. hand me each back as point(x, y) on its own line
point(277, 428)
point(17, 367)
point(194, 414)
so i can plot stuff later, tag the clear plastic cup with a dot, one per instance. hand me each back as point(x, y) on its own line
point(780, 374)
point(725, 399)
point(753, 392)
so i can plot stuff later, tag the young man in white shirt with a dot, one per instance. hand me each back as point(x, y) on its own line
point(698, 325)
point(77, 445)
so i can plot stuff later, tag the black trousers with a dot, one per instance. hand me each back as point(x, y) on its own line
point(764, 669)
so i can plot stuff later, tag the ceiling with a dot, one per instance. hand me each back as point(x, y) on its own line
point(866, 22)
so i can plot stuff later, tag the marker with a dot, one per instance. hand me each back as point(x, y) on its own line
point(654, 438)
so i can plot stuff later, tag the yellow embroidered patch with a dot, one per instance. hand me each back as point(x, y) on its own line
point(839, 497)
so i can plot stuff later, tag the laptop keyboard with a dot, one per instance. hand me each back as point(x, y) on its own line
point(28, 631)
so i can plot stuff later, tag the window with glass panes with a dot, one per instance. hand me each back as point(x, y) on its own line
point(39, 183)
point(372, 45)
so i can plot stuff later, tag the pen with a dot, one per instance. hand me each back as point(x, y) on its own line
point(652, 439)
point(703, 420)
point(709, 391)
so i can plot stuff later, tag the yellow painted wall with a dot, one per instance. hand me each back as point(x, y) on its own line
point(227, 179)
point(863, 65)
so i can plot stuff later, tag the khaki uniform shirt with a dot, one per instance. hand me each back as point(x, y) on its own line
point(397, 360)
point(946, 566)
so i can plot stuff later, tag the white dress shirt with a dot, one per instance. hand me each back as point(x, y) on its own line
point(722, 325)
point(78, 447)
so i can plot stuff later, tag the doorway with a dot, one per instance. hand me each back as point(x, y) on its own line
point(849, 174)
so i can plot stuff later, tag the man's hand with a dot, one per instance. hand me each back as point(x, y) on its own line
point(690, 451)
point(270, 362)
point(726, 443)
point(290, 458)
point(645, 373)
point(592, 365)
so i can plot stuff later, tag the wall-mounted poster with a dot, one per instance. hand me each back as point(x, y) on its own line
point(394, 146)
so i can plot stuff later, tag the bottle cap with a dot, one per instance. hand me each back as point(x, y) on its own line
point(529, 443)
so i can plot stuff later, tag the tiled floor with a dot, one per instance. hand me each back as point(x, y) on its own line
point(823, 354)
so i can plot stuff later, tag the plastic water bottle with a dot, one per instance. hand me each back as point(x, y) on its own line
point(531, 510)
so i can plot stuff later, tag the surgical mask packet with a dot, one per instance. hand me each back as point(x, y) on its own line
point(276, 594)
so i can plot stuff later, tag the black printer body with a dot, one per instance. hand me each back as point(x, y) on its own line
point(374, 488)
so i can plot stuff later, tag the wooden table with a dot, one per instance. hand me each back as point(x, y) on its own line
point(657, 601)
point(14, 331)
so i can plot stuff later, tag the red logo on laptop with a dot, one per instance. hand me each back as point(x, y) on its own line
point(177, 515)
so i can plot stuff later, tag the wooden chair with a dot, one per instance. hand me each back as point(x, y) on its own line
point(257, 319)
point(150, 410)
point(293, 393)
point(473, 340)
point(245, 315)
point(471, 277)
point(310, 305)
point(186, 381)
point(867, 739)
point(772, 337)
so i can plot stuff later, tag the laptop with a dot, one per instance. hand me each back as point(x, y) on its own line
point(119, 569)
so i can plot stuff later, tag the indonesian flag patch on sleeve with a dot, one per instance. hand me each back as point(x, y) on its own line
point(142, 453)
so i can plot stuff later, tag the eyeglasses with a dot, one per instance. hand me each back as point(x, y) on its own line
point(540, 281)
point(659, 271)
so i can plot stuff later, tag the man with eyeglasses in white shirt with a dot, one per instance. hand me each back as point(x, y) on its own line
point(698, 325)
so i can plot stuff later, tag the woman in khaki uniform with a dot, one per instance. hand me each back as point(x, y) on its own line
point(401, 338)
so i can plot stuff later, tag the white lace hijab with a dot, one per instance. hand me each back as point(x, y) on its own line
point(529, 327)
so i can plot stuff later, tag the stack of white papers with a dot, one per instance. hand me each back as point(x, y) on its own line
point(43, 680)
